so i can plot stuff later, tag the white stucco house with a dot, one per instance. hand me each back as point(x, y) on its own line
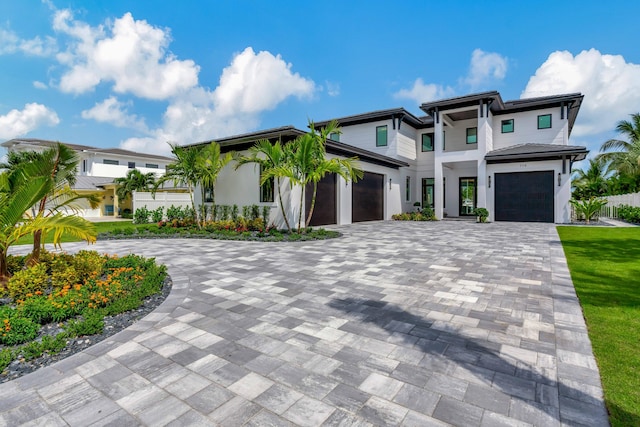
point(97, 169)
point(512, 157)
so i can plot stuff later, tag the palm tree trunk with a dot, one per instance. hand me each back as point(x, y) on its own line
point(301, 203)
point(313, 203)
point(4, 272)
point(193, 205)
point(284, 215)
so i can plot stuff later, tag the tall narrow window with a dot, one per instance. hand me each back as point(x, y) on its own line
point(407, 191)
point(507, 126)
point(428, 185)
point(208, 194)
point(444, 140)
point(544, 121)
point(334, 136)
point(472, 135)
point(381, 136)
point(84, 165)
point(266, 189)
point(427, 142)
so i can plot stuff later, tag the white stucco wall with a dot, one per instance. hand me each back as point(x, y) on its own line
point(525, 129)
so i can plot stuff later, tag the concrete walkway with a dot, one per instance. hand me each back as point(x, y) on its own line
point(415, 324)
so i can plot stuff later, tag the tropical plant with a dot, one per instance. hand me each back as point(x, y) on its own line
point(588, 208)
point(20, 189)
point(273, 162)
point(482, 214)
point(134, 181)
point(593, 181)
point(626, 158)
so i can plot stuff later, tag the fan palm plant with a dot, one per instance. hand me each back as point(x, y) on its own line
point(626, 158)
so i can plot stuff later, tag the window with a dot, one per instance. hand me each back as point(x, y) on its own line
point(507, 126)
point(132, 165)
point(444, 140)
point(407, 191)
point(544, 121)
point(381, 136)
point(427, 142)
point(472, 135)
point(428, 185)
point(208, 194)
point(84, 166)
point(110, 162)
point(150, 166)
point(334, 136)
point(266, 190)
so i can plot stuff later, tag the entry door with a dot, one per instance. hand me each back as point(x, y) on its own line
point(427, 193)
point(468, 195)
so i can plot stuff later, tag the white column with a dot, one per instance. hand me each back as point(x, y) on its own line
point(438, 194)
point(485, 144)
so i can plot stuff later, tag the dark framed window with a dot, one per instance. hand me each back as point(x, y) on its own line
point(266, 189)
point(428, 188)
point(472, 135)
point(381, 136)
point(544, 121)
point(427, 141)
point(84, 166)
point(208, 194)
point(407, 191)
point(334, 136)
point(132, 165)
point(444, 140)
point(507, 126)
point(151, 166)
point(444, 193)
point(110, 162)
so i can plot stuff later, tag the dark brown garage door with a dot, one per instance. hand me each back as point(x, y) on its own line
point(324, 211)
point(524, 196)
point(368, 198)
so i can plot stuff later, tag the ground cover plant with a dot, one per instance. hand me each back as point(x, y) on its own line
point(425, 214)
point(72, 291)
point(605, 271)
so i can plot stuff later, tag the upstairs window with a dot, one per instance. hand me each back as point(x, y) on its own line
point(472, 135)
point(507, 126)
point(427, 141)
point(151, 166)
point(132, 165)
point(544, 121)
point(110, 162)
point(334, 136)
point(381, 136)
point(266, 189)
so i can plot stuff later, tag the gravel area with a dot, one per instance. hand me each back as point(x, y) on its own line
point(112, 325)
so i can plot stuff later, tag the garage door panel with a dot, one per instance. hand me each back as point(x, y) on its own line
point(524, 196)
point(324, 211)
point(368, 198)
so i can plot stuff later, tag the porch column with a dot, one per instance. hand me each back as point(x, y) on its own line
point(438, 149)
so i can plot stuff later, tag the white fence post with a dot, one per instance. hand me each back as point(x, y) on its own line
point(614, 202)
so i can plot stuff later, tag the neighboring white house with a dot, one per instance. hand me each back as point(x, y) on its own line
point(511, 157)
point(97, 169)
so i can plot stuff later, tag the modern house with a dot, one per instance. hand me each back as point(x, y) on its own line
point(97, 170)
point(511, 157)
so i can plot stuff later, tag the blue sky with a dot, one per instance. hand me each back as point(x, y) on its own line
point(139, 74)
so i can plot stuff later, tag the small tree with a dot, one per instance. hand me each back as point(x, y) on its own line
point(134, 181)
point(589, 208)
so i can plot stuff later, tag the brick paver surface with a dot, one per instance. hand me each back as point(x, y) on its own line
point(447, 323)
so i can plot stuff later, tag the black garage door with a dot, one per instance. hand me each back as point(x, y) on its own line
point(367, 199)
point(324, 211)
point(524, 196)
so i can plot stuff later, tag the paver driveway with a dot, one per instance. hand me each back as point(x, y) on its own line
point(393, 324)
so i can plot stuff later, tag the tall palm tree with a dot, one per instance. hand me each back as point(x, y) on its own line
point(593, 181)
point(270, 157)
point(21, 188)
point(626, 158)
point(134, 181)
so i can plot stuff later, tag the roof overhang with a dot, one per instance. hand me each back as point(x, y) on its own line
point(376, 116)
point(537, 152)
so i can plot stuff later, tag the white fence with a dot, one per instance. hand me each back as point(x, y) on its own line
point(162, 199)
point(611, 209)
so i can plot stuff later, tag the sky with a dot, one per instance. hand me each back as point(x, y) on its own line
point(140, 74)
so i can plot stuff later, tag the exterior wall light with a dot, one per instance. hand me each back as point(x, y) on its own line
point(389, 183)
point(559, 179)
point(489, 181)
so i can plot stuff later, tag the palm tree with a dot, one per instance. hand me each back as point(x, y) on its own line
point(21, 188)
point(593, 181)
point(626, 159)
point(195, 166)
point(308, 164)
point(270, 157)
point(134, 181)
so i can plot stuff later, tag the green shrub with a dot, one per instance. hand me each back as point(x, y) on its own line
point(63, 273)
point(91, 324)
point(88, 264)
point(266, 211)
point(141, 215)
point(15, 263)
point(234, 213)
point(481, 213)
point(16, 330)
point(629, 213)
point(255, 212)
point(589, 208)
point(39, 309)
point(157, 214)
point(34, 280)
point(174, 213)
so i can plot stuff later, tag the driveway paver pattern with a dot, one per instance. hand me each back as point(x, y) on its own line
point(414, 324)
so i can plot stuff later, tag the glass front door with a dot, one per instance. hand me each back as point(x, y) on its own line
point(427, 193)
point(467, 196)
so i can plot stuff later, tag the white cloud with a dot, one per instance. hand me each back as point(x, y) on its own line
point(20, 122)
point(421, 92)
point(611, 87)
point(333, 89)
point(132, 54)
point(114, 112)
point(39, 85)
point(251, 84)
point(10, 43)
point(485, 67)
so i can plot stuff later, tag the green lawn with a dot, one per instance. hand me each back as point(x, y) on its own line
point(605, 268)
point(101, 227)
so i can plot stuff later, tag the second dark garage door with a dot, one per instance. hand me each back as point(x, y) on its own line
point(524, 196)
point(368, 198)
